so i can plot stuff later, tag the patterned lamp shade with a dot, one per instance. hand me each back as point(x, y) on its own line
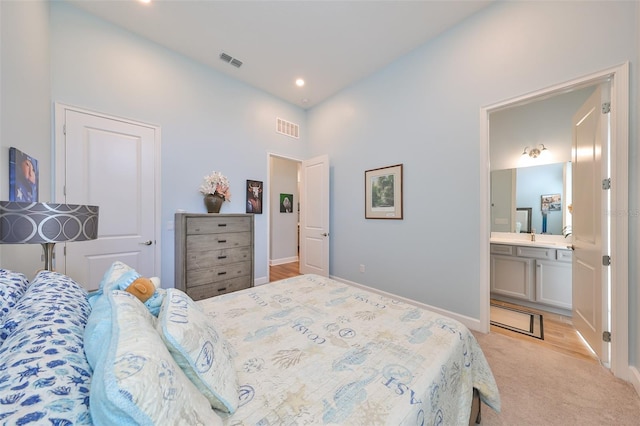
point(47, 224)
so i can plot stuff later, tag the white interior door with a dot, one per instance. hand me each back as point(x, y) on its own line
point(314, 216)
point(109, 163)
point(590, 236)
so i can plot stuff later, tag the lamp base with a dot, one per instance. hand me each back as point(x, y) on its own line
point(47, 249)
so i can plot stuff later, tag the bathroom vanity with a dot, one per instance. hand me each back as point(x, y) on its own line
point(532, 273)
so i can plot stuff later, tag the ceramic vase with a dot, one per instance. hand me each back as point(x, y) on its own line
point(213, 202)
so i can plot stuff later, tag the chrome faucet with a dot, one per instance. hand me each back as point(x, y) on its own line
point(533, 235)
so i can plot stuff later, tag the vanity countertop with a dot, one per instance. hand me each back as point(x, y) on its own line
point(543, 241)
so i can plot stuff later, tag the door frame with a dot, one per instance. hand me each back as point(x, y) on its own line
point(58, 172)
point(619, 149)
point(271, 155)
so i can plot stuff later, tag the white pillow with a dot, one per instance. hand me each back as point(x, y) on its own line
point(202, 353)
point(136, 380)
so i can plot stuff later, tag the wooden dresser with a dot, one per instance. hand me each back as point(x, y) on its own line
point(214, 253)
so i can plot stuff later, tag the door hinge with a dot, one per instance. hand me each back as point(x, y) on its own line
point(606, 107)
point(606, 260)
point(606, 336)
point(64, 129)
point(606, 183)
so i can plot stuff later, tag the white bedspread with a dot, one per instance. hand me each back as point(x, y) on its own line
point(311, 350)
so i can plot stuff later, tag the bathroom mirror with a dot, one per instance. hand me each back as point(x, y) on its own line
point(517, 197)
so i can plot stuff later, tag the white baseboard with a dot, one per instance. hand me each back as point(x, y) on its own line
point(260, 281)
point(470, 323)
point(282, 261)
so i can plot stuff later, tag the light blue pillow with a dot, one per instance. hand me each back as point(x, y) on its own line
point(117, 274)
point(202, 353)
point(136, 381)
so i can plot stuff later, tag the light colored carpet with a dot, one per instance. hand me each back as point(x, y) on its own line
point(539, 386)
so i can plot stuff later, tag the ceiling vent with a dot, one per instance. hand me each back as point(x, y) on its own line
point(231, 60)
point(287, 128)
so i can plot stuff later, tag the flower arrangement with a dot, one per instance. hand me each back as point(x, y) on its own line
point(216, 182)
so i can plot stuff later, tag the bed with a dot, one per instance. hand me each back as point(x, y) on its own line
point(306, 350)
point(312, 350)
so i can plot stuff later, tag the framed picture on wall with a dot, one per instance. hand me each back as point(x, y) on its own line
point(23, 176)
point(286, 203)
point(550, 203)
point(254, 196)
point(383, 193)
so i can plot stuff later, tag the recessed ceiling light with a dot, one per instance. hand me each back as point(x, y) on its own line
point(145, 1)
point(299, 82)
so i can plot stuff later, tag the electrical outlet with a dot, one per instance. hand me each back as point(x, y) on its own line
point(361, 268)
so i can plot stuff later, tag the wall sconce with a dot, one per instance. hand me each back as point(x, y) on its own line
point(536, 151)
point(46, 224)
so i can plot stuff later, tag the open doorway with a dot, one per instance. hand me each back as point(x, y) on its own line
point(618, 150)
point(284, 212)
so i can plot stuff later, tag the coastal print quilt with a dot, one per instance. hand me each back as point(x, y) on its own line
point(311, 350)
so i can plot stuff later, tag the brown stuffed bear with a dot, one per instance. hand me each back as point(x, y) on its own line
point(143, 288)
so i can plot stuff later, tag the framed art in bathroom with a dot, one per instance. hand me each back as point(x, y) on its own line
point(551, 202)
point(383, 193)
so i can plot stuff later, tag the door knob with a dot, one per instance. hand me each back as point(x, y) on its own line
point(325, 234)
point(147, 243)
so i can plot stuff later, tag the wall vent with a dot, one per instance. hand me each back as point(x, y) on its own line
point(231, 60)
point(287, 128)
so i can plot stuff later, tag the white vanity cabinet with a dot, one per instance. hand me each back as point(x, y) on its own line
point(511, 276)
point(534, 274)
point(553, 280)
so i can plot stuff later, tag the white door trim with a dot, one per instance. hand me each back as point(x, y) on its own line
point(59, 154)
point(619, 149)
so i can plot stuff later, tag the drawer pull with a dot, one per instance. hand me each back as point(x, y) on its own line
point(222, 273)
point(222, 224)
point(222, 241)
point(222, 257)
point(222, 289)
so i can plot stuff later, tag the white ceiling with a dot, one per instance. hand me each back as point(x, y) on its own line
point(330, 44)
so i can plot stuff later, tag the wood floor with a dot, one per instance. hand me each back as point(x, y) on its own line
point(559, 333)
point(280, 272)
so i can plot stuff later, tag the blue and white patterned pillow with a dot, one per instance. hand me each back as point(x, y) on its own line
point(44, 375)
point(199, 349)
point(12, 287)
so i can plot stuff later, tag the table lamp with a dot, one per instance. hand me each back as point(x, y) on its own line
point(47, 224)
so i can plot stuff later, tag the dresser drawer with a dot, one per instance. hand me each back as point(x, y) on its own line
point(206, 291)
point(208, 242)
point(204, 225)
point(208, 258)
point(196, 277)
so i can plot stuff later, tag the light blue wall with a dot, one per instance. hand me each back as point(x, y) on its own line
point(423, 111)
point(25, 108)
point(209, 121)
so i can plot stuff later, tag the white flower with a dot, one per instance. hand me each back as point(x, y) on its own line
point(216, 182)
